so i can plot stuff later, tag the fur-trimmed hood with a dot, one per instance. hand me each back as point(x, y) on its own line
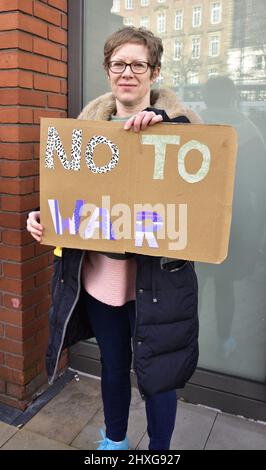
point(104, 106)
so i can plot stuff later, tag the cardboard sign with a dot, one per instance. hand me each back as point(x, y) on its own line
point(165, 191)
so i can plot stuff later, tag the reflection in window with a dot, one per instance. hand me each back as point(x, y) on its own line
point(193, 78)
point(214, 46)
point(161, 21)
point(196, 17)
point(216, 10)
point(232, 43)
point(128, 21)
point(116, 6)
point(260, 62)
point(249, 95)
point(212, 72)
point(144, 22)
point(178, 20)
point(177, 50)
point(176, 78)
point(160, 80)
point(261, 95)
point(252, 93)
point(195, 48)
point(129, 4)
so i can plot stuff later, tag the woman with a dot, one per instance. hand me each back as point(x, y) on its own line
point(113, 297)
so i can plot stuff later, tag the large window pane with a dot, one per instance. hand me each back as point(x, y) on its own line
point(215, 60)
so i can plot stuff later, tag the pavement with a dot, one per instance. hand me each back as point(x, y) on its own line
point(72, 418)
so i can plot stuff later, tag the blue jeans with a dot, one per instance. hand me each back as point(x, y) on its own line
point(113, 328)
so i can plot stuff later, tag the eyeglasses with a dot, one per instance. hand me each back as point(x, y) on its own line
point(118, 66)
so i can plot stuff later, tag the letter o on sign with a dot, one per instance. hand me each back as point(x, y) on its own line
point(205, 165)
point(96, 140)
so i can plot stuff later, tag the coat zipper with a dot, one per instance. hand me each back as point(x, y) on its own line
point(67, 320)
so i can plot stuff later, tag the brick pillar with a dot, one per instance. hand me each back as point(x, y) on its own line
point(33, 83)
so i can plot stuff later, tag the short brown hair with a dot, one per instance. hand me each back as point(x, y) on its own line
point(138, 36)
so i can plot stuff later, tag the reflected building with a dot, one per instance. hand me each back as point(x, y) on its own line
point(207, 38)
point(196, 35)
point(247, 55)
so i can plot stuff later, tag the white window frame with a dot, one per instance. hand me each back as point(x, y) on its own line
point(161, 23)
point(179, 18)
point(176, 78)
point(177, 50)
point(212, 41)
point(196, 17)
point(129, 5)
point(195, 48)
point(116, 6)
point(193, 78)
point(144, 3)
point(144, 22)
point(216, 13)
point(128, 21)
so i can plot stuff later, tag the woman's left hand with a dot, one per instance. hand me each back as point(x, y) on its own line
point(140, 121)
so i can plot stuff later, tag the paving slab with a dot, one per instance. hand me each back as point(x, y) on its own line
point(6, 432)
point(27, 440)
point(193, 425)
point(67, 414)
point(72, 419)
point(235, 433)
point(88, 437)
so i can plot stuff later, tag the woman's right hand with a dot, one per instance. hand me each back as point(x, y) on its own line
point(33, 225)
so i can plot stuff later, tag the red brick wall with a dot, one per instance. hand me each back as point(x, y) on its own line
point(33, 83)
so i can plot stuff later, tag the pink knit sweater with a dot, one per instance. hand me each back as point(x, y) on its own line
point(109, 280)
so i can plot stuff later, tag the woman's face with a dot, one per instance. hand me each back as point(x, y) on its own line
point(128, 88)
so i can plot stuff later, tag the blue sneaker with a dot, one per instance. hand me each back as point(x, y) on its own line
point(107, 444)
